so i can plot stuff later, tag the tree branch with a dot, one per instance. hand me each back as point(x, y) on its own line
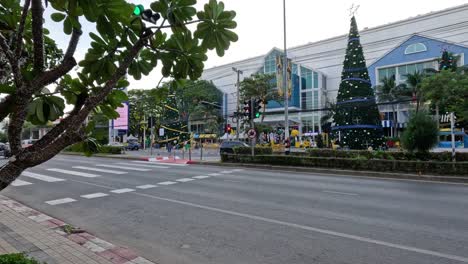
point(5, 104)
point(13, 61)
point(37, 32)
point(19, 33)
point(170, 26)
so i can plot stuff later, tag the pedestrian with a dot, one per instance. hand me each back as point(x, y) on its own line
point(169, 147)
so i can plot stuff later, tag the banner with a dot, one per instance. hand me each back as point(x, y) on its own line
point(279, 76)
point(121, 123)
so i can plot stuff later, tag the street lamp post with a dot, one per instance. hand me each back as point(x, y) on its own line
point(285, 80)
point(239, 72)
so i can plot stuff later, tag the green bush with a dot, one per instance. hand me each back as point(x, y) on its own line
point(102, 149)
point(257, 150)
point(421, 133)
point(18, 258)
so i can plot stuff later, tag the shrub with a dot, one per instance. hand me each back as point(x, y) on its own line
point(421, 133)
point(102, 149)
point(257, 150)
point(18, 258)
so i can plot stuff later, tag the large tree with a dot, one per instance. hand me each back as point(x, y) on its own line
point(357, 119)
point(123, 43)
point(259, 86)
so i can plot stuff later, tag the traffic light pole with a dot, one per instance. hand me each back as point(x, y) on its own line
point(285, 82)
point(239, 72)
point(252, 125)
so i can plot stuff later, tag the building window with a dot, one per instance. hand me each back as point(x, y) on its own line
point(415, 48)
point(315, 104)
point(402, 71)
point(316, 80)
point(306, 78)
point(270, 62)
point(386, 73)
point(306, 100)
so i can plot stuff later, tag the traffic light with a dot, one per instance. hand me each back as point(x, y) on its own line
point(228, 129)
point(247, 108)
point(146, 14)
point(257, 107)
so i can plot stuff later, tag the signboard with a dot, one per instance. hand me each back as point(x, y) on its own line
point(161, 132)
point(121, 123)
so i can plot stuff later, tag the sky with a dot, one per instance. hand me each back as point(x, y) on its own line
point(260, 25)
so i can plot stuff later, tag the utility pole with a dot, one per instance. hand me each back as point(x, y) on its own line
point(144, 132)
point(452, 132)
point(285, 80)
point(239, 72)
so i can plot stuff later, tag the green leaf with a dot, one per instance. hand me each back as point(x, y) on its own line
point(40, 110)
point(67, 26)
point(7, 89)
point(57, 17)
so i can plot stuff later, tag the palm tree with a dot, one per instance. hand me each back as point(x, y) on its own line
point(414, 81)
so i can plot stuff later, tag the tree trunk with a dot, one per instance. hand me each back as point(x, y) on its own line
point(8, 173)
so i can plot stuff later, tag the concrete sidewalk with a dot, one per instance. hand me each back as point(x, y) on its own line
point(42, 237)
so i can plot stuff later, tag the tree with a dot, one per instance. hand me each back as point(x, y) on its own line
point(413, 81)
point(447, 61)
point(357, 118)
point(390, 92)
point(3, 137)
point(145, 104)
point(259, 86)
point(421, 133)
point(122, 44)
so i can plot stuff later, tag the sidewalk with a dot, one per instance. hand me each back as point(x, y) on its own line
point(26, 230)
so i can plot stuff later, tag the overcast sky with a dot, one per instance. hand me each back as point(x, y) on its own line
point(260, 25)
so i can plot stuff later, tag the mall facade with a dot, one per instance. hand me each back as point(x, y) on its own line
point(393, 49)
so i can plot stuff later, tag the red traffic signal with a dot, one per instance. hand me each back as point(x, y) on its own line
point(228, 128)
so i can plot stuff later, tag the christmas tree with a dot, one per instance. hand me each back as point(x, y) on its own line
point(447, 62)
point(357, 120)
point(174, 128)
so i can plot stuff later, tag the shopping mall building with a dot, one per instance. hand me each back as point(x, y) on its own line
point(396, 48)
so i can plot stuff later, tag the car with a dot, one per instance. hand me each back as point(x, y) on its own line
point(227, 147)
point(5, 150)
point(133, 145)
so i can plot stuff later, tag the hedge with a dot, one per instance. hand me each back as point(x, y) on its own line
point(102, 149)
point(359, 163)
point(386, 155)
point(17, 258)
point(257, 150)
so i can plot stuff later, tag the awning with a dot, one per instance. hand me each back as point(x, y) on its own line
point(277, 119)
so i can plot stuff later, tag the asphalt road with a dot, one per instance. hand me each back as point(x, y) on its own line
point(169, 214)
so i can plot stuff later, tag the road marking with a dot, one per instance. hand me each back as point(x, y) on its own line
point(61, 201)
point(41, 177)
point(77, 173)
point(94, 195)
point(314, 229)
point(122, 167)
point(100, 170)
point(147, 186)
point(159, 162)
point(185, 180)
point(303, 227)
point(20, 183)
point(74, 160)
point(201, 177)
point(226, 172)
point(238, 170)
point(215, 174)
point(167, 183)
point(343, 193)
point(124, 190)
point(142, 165)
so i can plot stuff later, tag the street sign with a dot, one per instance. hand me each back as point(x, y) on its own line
point(161, 132)
point(251, 133)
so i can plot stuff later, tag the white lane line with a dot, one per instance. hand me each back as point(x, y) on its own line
point(41, 177)
point(142, 165)
point(226, 172)
point(343, 193)
point(238, 170)
point(167, 183)
point(201, 177)
point(100, 170)
point(314, 229)
point(159, 163)
point(185, 180)
point(61, 201)
point(124, 190)
point(76, 173)
point(215, 174)
point(94, 195)
point(146, 186)
point(20, 183)
point(122, 167)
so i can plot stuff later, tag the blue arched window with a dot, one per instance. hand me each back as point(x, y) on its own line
point(415, 48)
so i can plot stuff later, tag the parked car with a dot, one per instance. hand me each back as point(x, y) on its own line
point(28, 142)
point(133, 145)
point(5, 150)
point(227, 147)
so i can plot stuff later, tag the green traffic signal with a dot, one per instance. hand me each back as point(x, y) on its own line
point(138, 10)
point(257, 115)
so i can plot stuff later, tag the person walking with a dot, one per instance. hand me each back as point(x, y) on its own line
point(169, 148)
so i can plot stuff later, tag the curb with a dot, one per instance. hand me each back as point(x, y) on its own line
point(109, 251)
point(342, 173)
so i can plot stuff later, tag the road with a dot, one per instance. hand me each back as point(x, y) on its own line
point(207, 214)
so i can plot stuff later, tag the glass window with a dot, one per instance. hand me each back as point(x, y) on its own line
point(306, 101)
point(315, 104)
point(270, 62)
point(306, 78)
point(415, 48)
point(316, 80)
point(386, 73)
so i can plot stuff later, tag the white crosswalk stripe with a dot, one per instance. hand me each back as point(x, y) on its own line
point(94, 195)
point(122, 167)
point(201, 177)
point(124, 190)
point(41, 177)
point(20, 183)
point(185, 180)
point(76, 173)
point(238, 170)
point(61, 201)
point(215, 174)
point(159, 163)
point(167, 183)
point(226, 172)
point(146, 186)
point(143, 165)
point(100, 170)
